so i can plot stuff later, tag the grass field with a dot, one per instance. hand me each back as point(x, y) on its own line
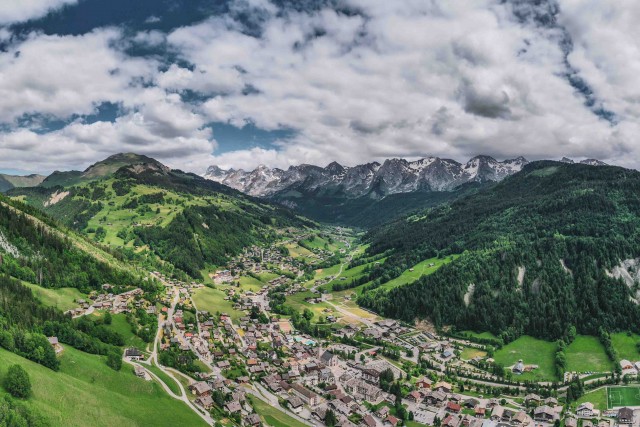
point(297, 302)
point(469, 353)
point(532, 351)
point(273, 416)
point(623, 396)
point(478, 334)
point(120, 325)
point(212, 300)
point(166, 378)
point(86, 392)
point(625, 345)
point(248, 283)
point(422, 269)
point(586, 353)
point(597, 397)
point(62, 298)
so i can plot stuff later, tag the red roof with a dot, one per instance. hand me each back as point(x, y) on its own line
point(453, 407)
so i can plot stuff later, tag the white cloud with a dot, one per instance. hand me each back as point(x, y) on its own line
point(63, 76)
point(404, 78)
point(22, 10)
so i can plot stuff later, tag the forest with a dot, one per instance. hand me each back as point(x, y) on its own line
point(537, 252)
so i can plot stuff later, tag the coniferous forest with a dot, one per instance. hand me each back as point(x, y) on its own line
point(537, 251)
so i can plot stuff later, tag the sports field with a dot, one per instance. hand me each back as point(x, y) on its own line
point(623, 396)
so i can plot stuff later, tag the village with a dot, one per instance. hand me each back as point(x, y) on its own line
point(369, 373)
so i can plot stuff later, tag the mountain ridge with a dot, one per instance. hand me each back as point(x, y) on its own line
point(373, 179)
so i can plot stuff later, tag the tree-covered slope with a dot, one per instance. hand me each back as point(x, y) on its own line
point(179, 217)
point(540, 251)
point(36, 249)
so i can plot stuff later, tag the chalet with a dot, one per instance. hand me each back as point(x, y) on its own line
point(519, 419)
point(544, 414)
point(452, 421)
point(571, 422)
point(295, 404)
point(383, 412)
point(368, 421)
point(551, 401)
point(436, 398)
point(233, 407)
point(625, 416)
point(55, 344)
point(453, 407)
point(200, 389)
point(205, 401)
point(133, 353)
point(415, 396)
point(424, 383)
point(443, 387)
point(391, 421)
point(479, 411)
point(585, 410)
point(532, 399)
point(252, 420)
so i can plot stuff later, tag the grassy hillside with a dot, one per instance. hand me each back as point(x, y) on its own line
point(138, 205)
point(86, 392)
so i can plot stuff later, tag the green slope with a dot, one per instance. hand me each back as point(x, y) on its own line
point(537, 248)
point(87, 393)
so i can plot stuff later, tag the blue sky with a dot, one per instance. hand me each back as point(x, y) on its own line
point(245, 82)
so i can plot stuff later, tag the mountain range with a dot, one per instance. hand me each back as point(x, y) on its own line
point(375, 180)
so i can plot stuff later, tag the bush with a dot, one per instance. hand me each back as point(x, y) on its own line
point(17, 382)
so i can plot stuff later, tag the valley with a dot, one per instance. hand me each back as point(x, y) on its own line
point(229, 310)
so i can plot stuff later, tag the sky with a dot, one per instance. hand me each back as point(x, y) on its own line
point(238, 83)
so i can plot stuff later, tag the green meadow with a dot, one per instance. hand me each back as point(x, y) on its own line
point(86, 392)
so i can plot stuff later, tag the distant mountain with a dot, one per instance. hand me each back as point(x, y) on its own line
point(98, 170)
point(7, 182)
point(371, 179)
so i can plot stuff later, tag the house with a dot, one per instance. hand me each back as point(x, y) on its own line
point(371, 376)
point(443, 387)
point(233, 407)
point(362, 389)
point(295, 404)
point(435, 398)
point(479, 411)
point(200, 389)
point(532, 399)
point(55, 344)
point(424, 383)
point(368, 421)
point(571, 422)
point(415, 397)
point(544, 413)
point(453, 407)
point(205, 401)
point(252, 420)
point(307, 396)
point(585, 410)
point(625, 416)
point(391, 421)
point(329, 359)
point(383, 412)
point(133, 353)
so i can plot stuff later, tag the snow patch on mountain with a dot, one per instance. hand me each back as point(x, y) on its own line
point(374, 179)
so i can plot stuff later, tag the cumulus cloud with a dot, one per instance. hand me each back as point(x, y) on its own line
point(372, 85)
point(404, 78)
point(22, 10)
